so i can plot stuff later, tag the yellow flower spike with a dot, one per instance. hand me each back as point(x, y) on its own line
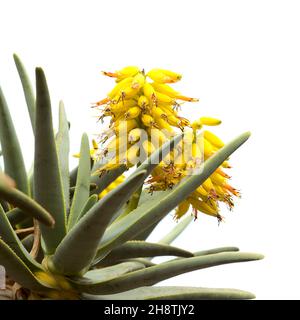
point(188, 99)
point(226, 165)
point(143, 102)
point(129, 71)
point(182, 209)
point(222, 173)
point(147, 120)
point(165, 89)
point(216, 178)
point(125, 126)
point(164, 98)
point(213, 139)
point(210, 121)
point(204, 207)
point(132, 113)
point(157, 137)
point(163, 76)
point(232, 190)
point(196, 151)
point(148, 147)
point(158, 112)
point(208, 185)
point(149, 92)
point(138, 81)
point(163, 125)
point(208, 148)
point(132, 155)
point(134, 135)
point(121, 106)
point(202, 191)
point(119, 87)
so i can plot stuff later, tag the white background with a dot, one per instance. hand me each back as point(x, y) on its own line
point(241, 58)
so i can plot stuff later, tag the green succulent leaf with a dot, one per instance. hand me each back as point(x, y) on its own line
point(111, 272)
point(177, 230)
point(136, 249)
point(27, 89)
point(106, 179)
point(25, 204)
point(151, 212)
point(216, 250)
point(63, 149)
point(82, 189)
point(176, 293)
point(9, 236)
point(155, 274)
point(92, 200)
point(78, 248)
point(17, 268)
point(16, 216)
point(12, 154)
point(48, 189)
point(156, 157)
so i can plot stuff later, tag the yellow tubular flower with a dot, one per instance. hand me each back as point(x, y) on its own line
point(129, 71)
point(147, 120)
point(133, 113)
point(163, 76)
point(134, 135)
point(143, 114)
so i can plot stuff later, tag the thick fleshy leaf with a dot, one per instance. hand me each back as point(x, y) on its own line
point(9, 236)
point(137, 249)
point(155, 274)
point(17, 270)
point(16, 216)
point(48, 190)
point(92, 200)
point(63, 149)
point(12, 155)
point(176, 293)
point(151, 212)
point(82, 189)
point(156, 157)
point(27, 88)
point(112, 272)
point(25, 204)
point(177, 230)
point(78, 248)
point(106, 179)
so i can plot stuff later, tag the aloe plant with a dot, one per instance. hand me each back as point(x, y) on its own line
point(59, 241)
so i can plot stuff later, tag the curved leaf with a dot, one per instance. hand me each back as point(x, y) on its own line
point(106, 179)
point(112, 272)
point(138, 249)
point(48, 189)
point(157, 156)
point(82, 189)
point(92, 200)
point(9, 236)
point(17, 270)
point(26, 204)
point(12, 154)
point(63, 149)
point(149, 213)
point(27, 88)
point(176, 293)
point(177, 230)
point(155, 274)
point(16, 216)
point(78, 248)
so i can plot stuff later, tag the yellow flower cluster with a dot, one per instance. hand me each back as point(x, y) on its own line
point(143, 110)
